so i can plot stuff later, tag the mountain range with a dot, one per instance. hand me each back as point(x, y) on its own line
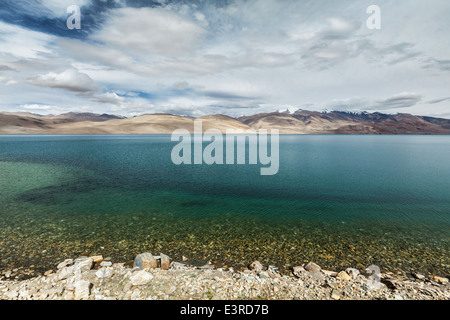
point(299, 122)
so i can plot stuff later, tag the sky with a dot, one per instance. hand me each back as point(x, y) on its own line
point(233, 57)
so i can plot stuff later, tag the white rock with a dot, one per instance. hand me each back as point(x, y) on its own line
point(83, 264)
point(344, 276)
point(329, 273)
point(105, 264)
point(104, 273)
point(141, 278)
point(65, 263)
point(256, 266)
point(12, 294)
point(312, 267)
point(145, 261)
point(82, 289)
point(66, 272)
point(352, 272)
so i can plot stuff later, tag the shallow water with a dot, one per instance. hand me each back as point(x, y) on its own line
point(341, 201)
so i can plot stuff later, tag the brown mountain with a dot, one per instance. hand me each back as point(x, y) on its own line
point(300, 122)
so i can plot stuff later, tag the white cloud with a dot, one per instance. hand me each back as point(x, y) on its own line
point(395, 102)
point(240, 58)
point(152, 32)
point(38, 107)
point(70, 80)
point(21, 43)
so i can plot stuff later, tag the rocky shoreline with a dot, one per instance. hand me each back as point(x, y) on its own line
point(159, 278)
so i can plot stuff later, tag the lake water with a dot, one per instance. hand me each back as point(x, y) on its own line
point(340, 201)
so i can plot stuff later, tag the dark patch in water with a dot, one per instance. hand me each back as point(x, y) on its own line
point(59, 194)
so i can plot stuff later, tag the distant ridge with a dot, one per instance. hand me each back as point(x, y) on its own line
point(299, 122)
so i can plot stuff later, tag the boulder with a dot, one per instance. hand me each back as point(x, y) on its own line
point(312, 267)
point(82, 289)
point(165, 262)
point(83, 264)
point(335, 295)
point(104, 273)
point(344, 276)
point(329, 273)
point(418, 276)
point(352, 272)
point(97, 259)
point(297, 271)
point(141, 278)
point(256, 266)
point(66, 272)
point(106, 264)
point(437, 279)
point(145, 261)
point(65, 263)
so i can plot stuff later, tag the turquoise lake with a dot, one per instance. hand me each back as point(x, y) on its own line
point(340, 201)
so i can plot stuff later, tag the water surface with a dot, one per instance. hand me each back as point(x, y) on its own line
point(341, 201)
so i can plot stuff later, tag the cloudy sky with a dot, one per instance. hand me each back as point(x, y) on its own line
point(235, 57)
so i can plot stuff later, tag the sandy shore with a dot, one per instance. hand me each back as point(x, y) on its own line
point(91, 278)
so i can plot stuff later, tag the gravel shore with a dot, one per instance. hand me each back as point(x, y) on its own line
point(92, 278)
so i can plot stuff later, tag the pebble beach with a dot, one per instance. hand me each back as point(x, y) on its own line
point(160, 278)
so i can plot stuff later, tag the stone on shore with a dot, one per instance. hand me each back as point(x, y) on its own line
point(312, 267)
point(82, 289)
point(141, 278)
point(297, 271)
point(352, 272)
point(165, 262)
point(106, 264)
point(97, 259)
point(344, 276)
point(419, 276)
point(66, 272)
point(256, 266)
point(329, 273)
point(65, 263)
point(335, 295)
point(440, 280)
point(104, 273)
point(47, 273)
point(145, 261)
point(83, 264)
